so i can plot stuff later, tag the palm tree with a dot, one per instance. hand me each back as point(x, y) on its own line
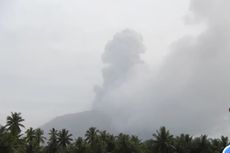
point(183, 143)
point(39, 136)
point(91, 136)
point(103, 135)
point(14, 124)
point(6, 144)
point(79, 146)
point(64, 138)
point(163, 141)
point(216, 145)
point(201, 144)
point(148, 146)
point(10, 143)
point(135, 140)
point(96, 144)
point(110, 143)
point(53, 142)
point(224, 142)
point(124, 144)
point(104, 141)
point(30, 140)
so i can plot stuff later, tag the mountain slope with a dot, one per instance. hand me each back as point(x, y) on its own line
point(78, 123)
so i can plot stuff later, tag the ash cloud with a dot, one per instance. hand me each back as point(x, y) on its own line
point(121, 56)
point(189, 93)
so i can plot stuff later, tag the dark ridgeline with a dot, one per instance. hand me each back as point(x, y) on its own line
point(13, 140)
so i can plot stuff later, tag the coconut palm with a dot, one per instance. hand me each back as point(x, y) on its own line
point(163, 141)
point(30, 140)
point(14, 123)
point(110, 143)
point(6, 144)
point(183, 143)
point(79, 146)
point(39, 136)
point(39, 139)
point(53, 142)
point(224, 142)
point(124, 144)
point(64, 138)
point(103, 135)
point(201, 144)
point(95, 142)
point(91, 136)
point(216, 145)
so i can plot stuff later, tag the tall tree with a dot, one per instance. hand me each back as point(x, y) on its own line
point(110, 143)
point(163, 141)
point(124, 144)
point(30, 140)
point(91, 136)
point(53, 141)
point(64, 138)
point(6, 145)
point(39, 136)
point(39, 139)
point(224, 142)
point(14, 123)
point(93, 139)
point(103, 139)
point(201, 145)
point(183, 143)
point(79, 146)
point(216, 145)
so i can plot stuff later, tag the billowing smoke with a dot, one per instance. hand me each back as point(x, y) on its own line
point(190, 92)
point(121, 56)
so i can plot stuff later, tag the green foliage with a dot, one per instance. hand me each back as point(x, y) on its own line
point(163, 141)
point(14, 124)
point(183, 143)
point(13, 140)
point(64, 139)
point(52, 146)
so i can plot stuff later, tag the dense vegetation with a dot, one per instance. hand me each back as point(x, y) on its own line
point(13, 140)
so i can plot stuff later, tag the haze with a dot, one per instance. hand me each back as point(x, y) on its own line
point(161, 60)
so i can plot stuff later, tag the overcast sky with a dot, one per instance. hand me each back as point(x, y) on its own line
point(50, 50)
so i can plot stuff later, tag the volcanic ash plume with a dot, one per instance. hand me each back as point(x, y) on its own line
point(121, 56)
point(190, 93)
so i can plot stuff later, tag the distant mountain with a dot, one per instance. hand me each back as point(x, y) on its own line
point(78, 123)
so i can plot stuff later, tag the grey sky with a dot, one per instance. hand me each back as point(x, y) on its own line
point(50, 50)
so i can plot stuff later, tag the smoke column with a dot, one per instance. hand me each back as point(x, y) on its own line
point(190, 92)
point(121, 56)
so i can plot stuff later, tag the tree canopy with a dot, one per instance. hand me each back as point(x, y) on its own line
point(13, 140)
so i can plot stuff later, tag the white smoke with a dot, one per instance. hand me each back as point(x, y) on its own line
point(190, 93)
point(121, 56)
